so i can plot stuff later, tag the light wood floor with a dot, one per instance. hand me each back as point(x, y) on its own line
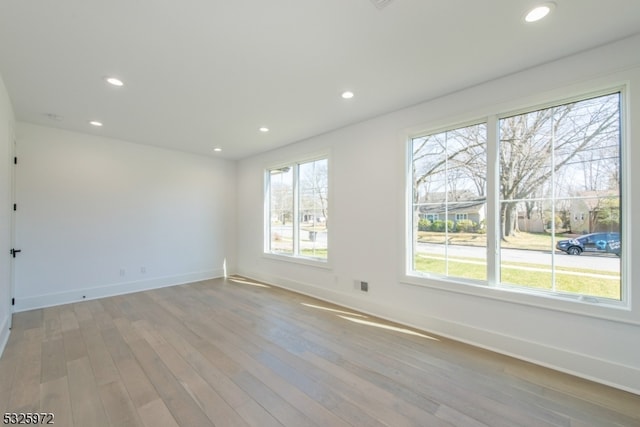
point(234, 353)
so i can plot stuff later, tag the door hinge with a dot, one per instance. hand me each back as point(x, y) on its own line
point(14, 252)
point(15, 160)
point(13, 301)
point(15, 206)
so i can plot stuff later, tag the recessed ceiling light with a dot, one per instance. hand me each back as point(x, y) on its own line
point(264, 129)
point(114, 81)
point(347, 95)
point(217, 149)
point(539, 12)
point(95, 123)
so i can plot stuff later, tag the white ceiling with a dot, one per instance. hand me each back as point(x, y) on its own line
point(201, 74)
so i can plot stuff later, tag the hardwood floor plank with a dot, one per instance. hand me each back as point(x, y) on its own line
point(68, 319)
point(74, 346)
point(26, 320)
point(285, 413)
point(156, 414)
point(83, 314)
point(378, 401)
point(457, 418)
point(51, 323)
point(184, 409)
point(55, 399)
point(212, 374)
point(111, 307)
point(4, 401)
point(414, 385)
point(209, 401)
point(53, 361)
point(617, 400)
point(118, 406)
point(25, 391)
point(138, 386)
point(256, 415)
point(86, 405)
point(233, 362)
point(10, 360)
point(102, 317)
point(235, 352)
point(103, 367)
point(366, 396)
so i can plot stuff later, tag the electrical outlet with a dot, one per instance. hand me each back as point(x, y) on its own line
point(122, 272)
point(143, 270)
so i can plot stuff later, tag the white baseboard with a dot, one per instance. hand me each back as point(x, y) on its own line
point(4, 333)
point(584, 366)
point(77, 295)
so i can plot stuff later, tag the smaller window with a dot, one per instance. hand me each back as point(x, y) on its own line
point(297, 210)
point(461, 216)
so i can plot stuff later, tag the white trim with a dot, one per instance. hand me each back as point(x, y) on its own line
point(5, 332)
point(613, 311)
point(492, 288)
point(305, 158)
point(625, 196)
point(13, 152)
point(78, 295)
point(312, 262)
point(266, 243)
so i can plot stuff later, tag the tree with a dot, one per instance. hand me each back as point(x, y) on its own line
point(281, 202)
point(543, 155)
point(314, 189)
point(535, 146)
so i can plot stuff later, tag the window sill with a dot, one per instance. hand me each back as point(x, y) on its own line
point(611, 310)
point(312, 262)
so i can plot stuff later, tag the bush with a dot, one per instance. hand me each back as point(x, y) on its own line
point(466, 226)
point(424, 225)
point(439, 225)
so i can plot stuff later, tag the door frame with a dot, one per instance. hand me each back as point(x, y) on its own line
point(12, 226)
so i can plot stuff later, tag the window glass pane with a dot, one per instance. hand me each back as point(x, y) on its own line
point(449, 203)
point(281, 210)
point(560, 217)
point(313, 209)
point(298, 213)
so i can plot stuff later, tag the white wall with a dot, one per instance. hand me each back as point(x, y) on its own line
point(6, 142)
point(367, 172)
point(99, 216)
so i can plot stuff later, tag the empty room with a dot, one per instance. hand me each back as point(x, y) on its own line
point(336, 213)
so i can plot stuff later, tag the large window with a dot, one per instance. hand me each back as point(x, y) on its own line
point(297, 210)
point(558, 218)
point(449, 202)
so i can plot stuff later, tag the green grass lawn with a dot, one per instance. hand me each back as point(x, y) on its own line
point(526, 275)
point(314, 253)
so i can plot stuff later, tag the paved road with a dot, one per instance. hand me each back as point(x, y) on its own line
point(602, 262)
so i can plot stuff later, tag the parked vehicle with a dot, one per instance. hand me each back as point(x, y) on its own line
point(593, 242)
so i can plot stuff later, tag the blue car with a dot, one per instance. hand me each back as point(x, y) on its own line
point(608, 243)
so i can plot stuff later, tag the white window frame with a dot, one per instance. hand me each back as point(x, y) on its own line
point(295, 257)
point(583, 304)
point(409, 274)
